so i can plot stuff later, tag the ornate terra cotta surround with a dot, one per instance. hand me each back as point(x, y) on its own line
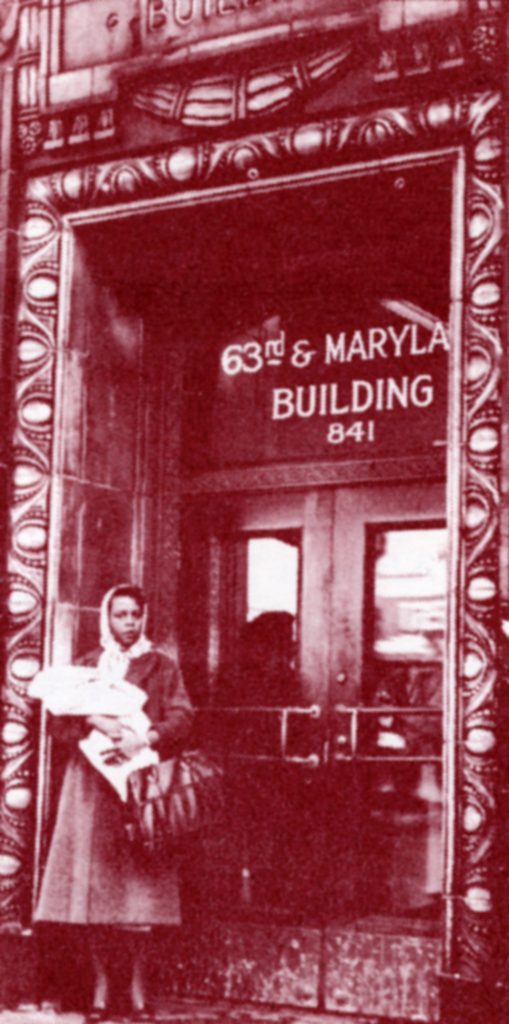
point(467, 124)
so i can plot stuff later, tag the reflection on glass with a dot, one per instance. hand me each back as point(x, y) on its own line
point(407, 596)
point(272, 576)
point(266, 649)
point(405, 834)
point(260, 670)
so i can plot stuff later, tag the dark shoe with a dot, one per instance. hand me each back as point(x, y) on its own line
point(142, 1015)
point(98, 1014)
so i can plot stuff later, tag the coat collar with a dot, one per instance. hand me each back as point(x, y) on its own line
point(140, 668)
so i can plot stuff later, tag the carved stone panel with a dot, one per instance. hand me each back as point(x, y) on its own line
point(383, 974)
point(117, 62)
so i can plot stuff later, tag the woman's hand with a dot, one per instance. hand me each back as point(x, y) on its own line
point(108, 725)
point(130, 743)
point(153, 737)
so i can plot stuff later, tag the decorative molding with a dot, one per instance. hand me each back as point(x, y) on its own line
point(487, 32)
point(246, 95)
point(475, 123)
point(261, 156)
point(297, 475)
point(67, 130)
point(29, 128)
point(480, 636)
point(27, 57)
point(30, 135)
point(205, 99)
point(9, 25)
point(27, 560)
point(214, 102)
point(421, 52)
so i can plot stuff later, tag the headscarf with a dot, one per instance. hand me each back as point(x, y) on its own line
point(114, 660)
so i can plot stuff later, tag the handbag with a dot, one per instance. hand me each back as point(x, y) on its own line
point(173, 800)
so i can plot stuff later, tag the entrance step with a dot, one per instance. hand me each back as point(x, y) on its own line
point(188, 1013)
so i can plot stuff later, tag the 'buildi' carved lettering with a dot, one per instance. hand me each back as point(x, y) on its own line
point(186, 12)
point(191, 14)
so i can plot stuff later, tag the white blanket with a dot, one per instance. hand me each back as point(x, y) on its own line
point(78, 690)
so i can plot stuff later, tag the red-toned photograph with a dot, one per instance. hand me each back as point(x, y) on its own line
point(254, 468)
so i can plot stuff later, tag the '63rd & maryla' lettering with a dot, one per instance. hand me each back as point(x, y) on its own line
point(384, 343)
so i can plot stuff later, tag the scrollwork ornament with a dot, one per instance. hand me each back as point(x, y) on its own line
point(27, 556)
point(487, 33)
point(476, 926)
point(30, 134)
point(243, 96)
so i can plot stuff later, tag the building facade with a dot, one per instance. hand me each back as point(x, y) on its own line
point(254, 355)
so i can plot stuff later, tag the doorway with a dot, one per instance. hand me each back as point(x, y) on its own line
point(272, 407)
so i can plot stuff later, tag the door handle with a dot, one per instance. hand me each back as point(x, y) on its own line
point(341, 678)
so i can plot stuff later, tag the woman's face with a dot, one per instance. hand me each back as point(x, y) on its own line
point(125, 620)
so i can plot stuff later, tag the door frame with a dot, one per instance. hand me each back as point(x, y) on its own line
point(466, 130)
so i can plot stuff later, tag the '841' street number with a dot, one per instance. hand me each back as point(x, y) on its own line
point(358, 431)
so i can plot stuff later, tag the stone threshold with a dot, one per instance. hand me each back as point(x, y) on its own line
point(187, 1012)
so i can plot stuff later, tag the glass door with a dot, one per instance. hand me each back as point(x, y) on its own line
point(388, 597)
point(323, 650)
point(261, 591)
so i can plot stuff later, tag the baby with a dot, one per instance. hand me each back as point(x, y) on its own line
point(80, 690)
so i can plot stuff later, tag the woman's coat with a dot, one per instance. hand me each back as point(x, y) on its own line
point(92, 875)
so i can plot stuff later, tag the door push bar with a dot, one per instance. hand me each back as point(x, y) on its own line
point(338, 741)
point(312, 711)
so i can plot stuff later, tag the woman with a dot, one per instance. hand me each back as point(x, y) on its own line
point(92, 877)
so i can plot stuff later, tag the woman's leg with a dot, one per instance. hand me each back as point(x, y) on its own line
point(138, 943)
point(99, 954)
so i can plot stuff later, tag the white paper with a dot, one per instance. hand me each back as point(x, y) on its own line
point(97, 747)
